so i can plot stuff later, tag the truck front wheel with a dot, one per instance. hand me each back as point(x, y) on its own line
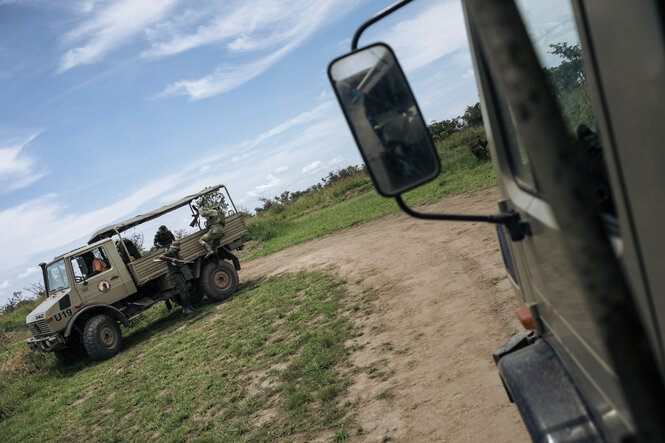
point(219, 279)
point(101, 337)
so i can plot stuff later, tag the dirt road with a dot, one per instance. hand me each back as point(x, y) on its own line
point(442, 304)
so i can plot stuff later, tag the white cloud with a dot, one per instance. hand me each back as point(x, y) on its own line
point(45, 224)
point(110, 27)
point(281, 169)
point(445, 33)
point(5, 284)
point(273, 182)
point(237, 158)
point(261, 29)
point(28, 272)
point(335, 160)
point(225, 78)
point(312, 167)
point(17, 168)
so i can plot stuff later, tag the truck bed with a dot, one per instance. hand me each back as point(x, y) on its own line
point(145, 269)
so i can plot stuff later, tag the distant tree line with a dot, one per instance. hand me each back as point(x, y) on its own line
point(329, 180)
point(18, 299)
point(445, 128)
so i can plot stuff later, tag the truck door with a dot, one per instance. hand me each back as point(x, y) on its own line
point(97, 277)
point(553, 291)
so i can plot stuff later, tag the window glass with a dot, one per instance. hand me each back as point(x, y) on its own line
point(90, 263)
point(551, 27)
point(57, 276)
point(517, 156)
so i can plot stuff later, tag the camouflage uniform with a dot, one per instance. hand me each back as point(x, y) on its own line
point(175, 277)
point(131, 247)
point(164, 237)
point(215, 221)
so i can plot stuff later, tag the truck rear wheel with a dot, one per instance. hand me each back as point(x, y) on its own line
point(101, 337)
point(219, 279)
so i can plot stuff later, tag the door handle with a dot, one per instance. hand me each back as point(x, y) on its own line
point(114, 277)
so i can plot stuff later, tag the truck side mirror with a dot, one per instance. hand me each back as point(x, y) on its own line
point(83, 267)
point(384, 118)
point(390, 131)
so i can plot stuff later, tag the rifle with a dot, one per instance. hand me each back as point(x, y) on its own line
point(195, 214)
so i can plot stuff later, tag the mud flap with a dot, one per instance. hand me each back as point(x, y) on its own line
point(227, 254)
point(546, 396)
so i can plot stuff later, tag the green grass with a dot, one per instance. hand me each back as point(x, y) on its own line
point(262, 366)
point(15, 320)
point(333, 209)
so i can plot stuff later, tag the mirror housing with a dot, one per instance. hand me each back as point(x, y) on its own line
point(389, 129)
point(384, 118)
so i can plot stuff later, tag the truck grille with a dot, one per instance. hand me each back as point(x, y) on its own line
point(39, 328)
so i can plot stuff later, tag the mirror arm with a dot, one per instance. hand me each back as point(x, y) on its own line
point(517, 228)
point(378, 16)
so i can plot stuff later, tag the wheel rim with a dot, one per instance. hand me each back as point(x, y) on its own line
point(108, 336)
point(221, 280)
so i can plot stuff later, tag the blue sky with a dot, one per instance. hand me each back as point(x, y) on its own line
point(113, 108)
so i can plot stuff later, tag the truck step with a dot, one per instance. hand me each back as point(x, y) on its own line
point(145, 301)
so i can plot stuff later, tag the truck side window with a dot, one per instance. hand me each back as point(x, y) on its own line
point(551, 27)
point(90, 263)
point(517, 156)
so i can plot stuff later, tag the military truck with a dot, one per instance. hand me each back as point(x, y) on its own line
point(85, 305)
point(575, 132)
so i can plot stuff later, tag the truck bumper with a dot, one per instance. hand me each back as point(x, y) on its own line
point(550, 404)
point(46, 344)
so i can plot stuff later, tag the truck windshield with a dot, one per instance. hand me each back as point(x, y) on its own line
point(57, 276)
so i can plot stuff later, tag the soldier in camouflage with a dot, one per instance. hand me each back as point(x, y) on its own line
point(175, 276)
point(163, 237)
point(215, 221)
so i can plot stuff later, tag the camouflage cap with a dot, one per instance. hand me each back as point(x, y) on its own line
point(175, 246)
point(163, 228)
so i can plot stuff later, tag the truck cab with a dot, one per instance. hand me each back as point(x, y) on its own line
point(91, 275)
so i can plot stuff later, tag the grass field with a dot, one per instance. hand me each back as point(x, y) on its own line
point(354, 201)
point(268, 364)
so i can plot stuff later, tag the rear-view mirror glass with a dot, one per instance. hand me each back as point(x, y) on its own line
point(384, 118)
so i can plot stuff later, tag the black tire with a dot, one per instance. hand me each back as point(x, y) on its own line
point(219, 279)
point(101, 337)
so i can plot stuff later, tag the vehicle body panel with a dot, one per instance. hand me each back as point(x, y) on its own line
point(108, 286)
point(631, 95)
point(145, 269)
point(546, 281)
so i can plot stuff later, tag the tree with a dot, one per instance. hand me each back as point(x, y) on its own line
point(13, 302)
point(444, 128)
point(137, 239)
point(179, 234)
point(473, 116)
point(212, 198)
point(37, 290)
point(569, 74)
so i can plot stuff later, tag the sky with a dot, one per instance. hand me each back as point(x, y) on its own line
point(114, 108)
